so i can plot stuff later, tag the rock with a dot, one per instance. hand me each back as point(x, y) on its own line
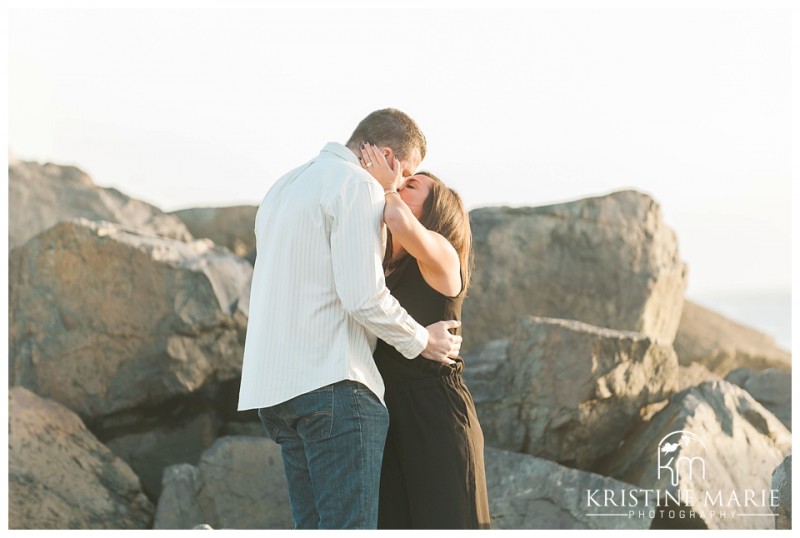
point(238, 484)
point(42, 195)
point(713, 449)
point(533, 493)
point(771, 388)
point(61, 477)
point(151, 440)
point(694, 374)
point(567, 391)
point(486, 373)
point(178, 506)
point(248, 429)
point(782, 483)
point(231, 227)
point(176, 431)
point(722, 345)
point(104, 319)
point(609, 261)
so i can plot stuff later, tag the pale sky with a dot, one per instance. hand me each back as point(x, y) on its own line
point(187, 108)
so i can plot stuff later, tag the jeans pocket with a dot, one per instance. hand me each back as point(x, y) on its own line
point(367, 403)
point(271, 427)
point(315, 414)
point(316, 426)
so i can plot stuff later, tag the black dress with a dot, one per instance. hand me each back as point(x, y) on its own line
point(433, 474)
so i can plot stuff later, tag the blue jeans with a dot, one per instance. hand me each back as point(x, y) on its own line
point(332, 442)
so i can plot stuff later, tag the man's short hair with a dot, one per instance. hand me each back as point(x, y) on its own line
point(390, 127)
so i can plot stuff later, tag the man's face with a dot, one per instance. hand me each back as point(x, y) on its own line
point(408, 165)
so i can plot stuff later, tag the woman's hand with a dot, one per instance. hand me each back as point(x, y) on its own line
point(374, 162)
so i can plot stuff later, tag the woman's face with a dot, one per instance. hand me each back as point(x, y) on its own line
point(414, 193)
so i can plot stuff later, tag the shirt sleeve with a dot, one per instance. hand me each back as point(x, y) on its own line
point(356, 214)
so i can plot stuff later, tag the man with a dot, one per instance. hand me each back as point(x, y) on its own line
point(318, 301)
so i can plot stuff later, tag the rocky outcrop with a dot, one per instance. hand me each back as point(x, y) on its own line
point(42, 195)
point(608, 261)
point(238, 484)
point(782, 483)
point(713, 449)
point(567, 391)
point(487, 374)
point(771, 388)
point(139, 329)
point(694, 374)
point(533, 493)
point(179, 430)
point(231, 227)
point(61, 477)
point(151, 440)
point(722, 345)
point(104, 319)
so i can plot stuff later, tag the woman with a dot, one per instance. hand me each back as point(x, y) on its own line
point(433, 473)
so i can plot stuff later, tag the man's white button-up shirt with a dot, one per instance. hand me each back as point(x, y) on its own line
point(318, 298)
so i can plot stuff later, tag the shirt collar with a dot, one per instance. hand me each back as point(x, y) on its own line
point(341, 151)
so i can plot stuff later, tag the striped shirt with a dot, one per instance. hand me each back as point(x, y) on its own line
point(318, 298)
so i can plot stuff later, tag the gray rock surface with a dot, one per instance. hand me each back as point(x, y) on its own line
point(231, 227)
point(722, 345)
point(61, 477)
point(487, 375)
point(771, 388)
point(104, 319)
point(694, 374)
point(782, 483)
point(709, 447)
point(42, 195)
point(533, 493)
point(239, 483)
point(178, 434)
point(609, 261)
point(567, 391)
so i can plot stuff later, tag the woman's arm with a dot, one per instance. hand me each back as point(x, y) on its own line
point(437, 258)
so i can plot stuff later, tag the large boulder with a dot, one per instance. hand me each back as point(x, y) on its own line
point(105, 319)
point(177, 431)
point(42, 195)
point(567, 391)
point(722, 345)
point(782, 483)
point(533, 493)
point(150, 440)
point(231, 227)
point(487, 374)
point(712, 450)
point(609, 261)
point(239, 483)
point(61, 477)
point(694, 374)
point(771, 388)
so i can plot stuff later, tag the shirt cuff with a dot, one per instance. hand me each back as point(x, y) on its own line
point(418, 345)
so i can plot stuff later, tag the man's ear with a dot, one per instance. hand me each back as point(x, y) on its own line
point(388, 153)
